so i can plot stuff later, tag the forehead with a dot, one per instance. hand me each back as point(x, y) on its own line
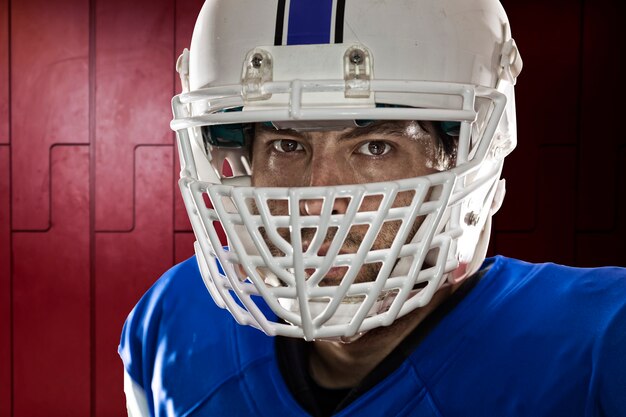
point(344, 129)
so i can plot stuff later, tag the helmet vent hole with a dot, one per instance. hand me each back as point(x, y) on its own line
point(227, 169)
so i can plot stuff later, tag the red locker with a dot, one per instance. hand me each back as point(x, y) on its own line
point(90, 212)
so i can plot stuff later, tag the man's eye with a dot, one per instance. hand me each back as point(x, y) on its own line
point(374, 148)
point(287, 145)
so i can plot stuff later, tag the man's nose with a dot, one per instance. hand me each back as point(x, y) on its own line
point(314, 207)
point(325, 170)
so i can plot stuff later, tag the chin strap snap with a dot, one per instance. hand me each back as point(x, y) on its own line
point(510, 62)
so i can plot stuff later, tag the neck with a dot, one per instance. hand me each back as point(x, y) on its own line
point(344, 365)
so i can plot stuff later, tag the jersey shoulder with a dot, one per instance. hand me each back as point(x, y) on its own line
point(180, 347)
point(553, 298)
point(542, 339)
point(559, 285)
point(178, 293)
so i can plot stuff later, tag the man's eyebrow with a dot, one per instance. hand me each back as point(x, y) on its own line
point(388, 128)
point(382, 129)
point(289, 132)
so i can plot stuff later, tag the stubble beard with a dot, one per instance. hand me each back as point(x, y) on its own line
point(368, 272)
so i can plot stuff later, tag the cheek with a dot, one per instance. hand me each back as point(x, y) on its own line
point(262, 176)
point(403, 164)
point(372, 202)
point(265, 172)
point(271, 170)
point(422, 164)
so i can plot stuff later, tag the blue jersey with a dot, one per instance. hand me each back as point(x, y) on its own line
point(527, 340)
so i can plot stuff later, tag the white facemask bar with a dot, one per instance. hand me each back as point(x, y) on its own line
point(451, 188)
point(231, 96)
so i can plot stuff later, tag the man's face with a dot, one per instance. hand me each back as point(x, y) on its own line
point(382, 151)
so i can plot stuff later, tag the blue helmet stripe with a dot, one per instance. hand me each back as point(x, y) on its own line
point(309, 22)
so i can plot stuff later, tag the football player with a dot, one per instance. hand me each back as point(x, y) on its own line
point(340, 164)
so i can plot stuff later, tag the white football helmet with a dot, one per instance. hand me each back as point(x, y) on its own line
point(321, 63)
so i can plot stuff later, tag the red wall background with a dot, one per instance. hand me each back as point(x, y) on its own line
point(90, 214)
